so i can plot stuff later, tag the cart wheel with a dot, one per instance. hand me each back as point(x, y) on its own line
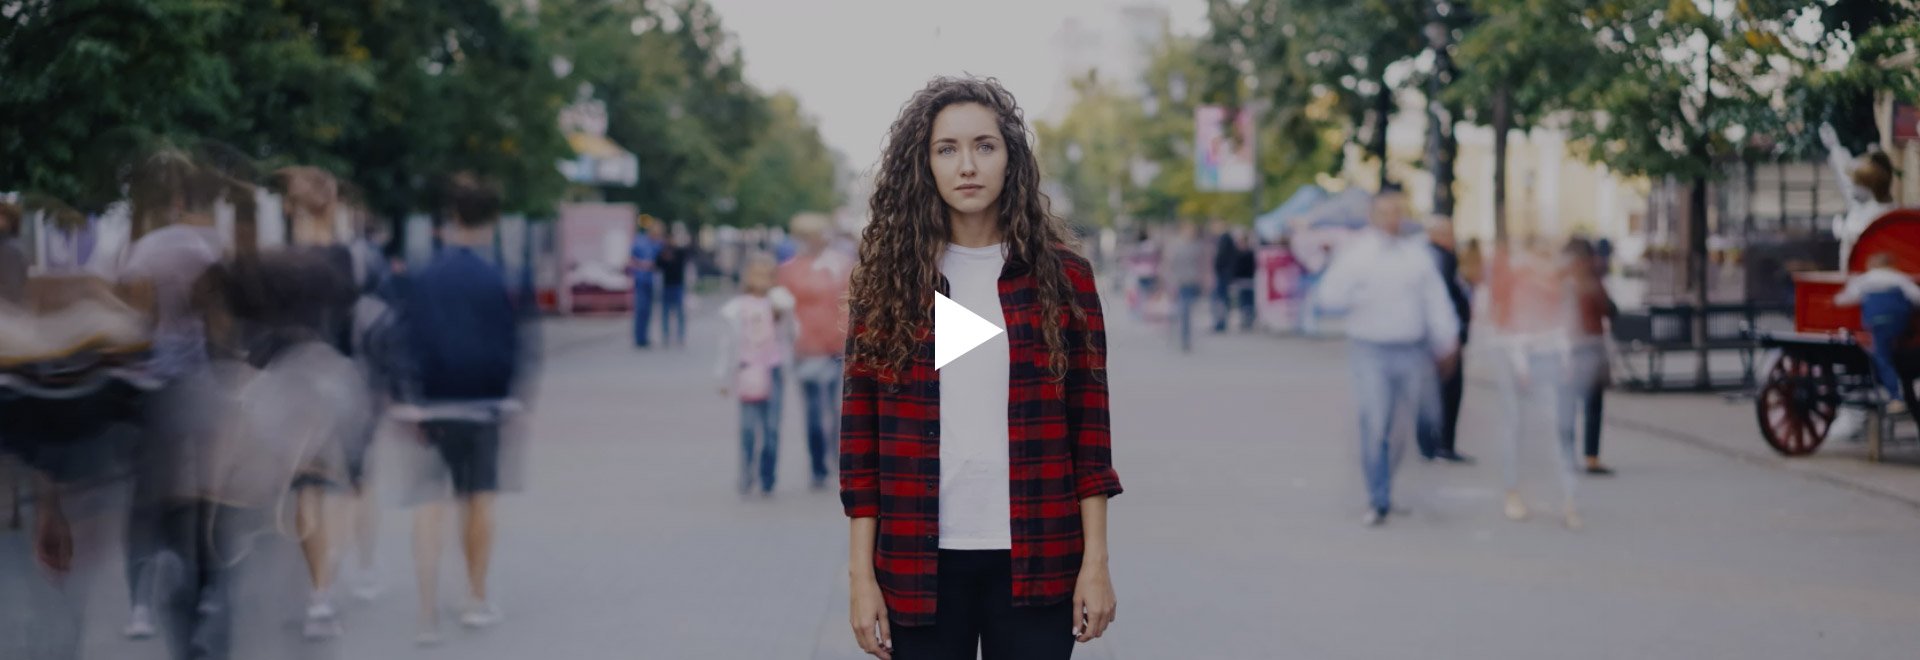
point(1797, 405)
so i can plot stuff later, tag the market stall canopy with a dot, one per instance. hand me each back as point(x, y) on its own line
point(599, 161)
point(1347, 210)
point(1273, 224)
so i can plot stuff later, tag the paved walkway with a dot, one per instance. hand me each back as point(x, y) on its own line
point(1238, 536)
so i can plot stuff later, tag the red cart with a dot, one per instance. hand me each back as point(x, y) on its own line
point(1823, 366)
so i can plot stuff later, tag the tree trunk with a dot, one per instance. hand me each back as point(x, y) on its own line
point(1441, 145)
point(1502, 123)
point(1382, 113)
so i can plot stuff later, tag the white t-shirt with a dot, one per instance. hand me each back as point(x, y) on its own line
point(975, 508)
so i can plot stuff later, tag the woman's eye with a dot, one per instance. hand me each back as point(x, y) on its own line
point(945, 150)
point(986, 147)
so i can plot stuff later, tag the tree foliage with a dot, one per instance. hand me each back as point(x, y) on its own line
point(392, 96)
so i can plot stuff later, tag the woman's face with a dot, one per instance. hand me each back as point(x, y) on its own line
point(968, 156)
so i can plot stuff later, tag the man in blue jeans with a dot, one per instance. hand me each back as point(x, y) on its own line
point(818, 277)
point(1400, 323)
point(1187, 266)
point(646, 251)
point(1886, 298)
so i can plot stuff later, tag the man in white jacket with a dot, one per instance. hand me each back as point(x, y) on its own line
point(1400, 323)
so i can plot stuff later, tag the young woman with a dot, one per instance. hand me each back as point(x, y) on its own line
point(1594, 312)
point(978, 491)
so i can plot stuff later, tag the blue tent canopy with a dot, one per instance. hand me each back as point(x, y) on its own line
point(1273, 224)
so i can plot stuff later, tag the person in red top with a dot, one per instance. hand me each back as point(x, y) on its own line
point(977, 492)
point(817, 278)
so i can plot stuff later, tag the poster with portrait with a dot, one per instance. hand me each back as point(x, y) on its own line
point(1223, 153)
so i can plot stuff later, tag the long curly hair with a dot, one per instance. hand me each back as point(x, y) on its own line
point(891, 298)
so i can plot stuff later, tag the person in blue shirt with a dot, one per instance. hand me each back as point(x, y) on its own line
point(646, 251)
point(465, 347)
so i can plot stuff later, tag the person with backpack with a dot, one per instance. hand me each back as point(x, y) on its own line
point(465, 347)
point(753, 351)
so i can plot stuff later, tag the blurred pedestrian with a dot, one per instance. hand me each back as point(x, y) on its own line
point(1473, 268)
point(818, 279)
point(1868, 181)
point(1593, 372)
point(1186, 271)
point(672, 265)
point(1245, 268)
point(1437, 440)
point(1143, 261)
point(945, 562)
point(167, 263)
point(1534, 315)
point(1226, 254)
point(1886, 297)
point(319, 255)
point(642, 264)
point(465, 346)
point(752, 356)
point(13, 259)
point(1400, 324)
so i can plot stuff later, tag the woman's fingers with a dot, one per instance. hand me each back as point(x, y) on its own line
point(1091, 618)
point(1101, 620)
point(874, 635)
point(1082, 623)
point(863, 634)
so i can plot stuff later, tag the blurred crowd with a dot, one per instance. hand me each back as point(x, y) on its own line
point(1407, 295)
point(210, 410)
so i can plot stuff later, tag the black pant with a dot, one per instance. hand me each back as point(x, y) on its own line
point(1595, 401)
point(192, 578)
point(976, 616)
point(1439, 441)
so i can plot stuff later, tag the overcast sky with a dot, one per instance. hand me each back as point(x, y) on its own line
point(852, 63)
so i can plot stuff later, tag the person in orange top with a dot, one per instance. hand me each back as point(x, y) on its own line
point(1533, 316)
point(818, 278)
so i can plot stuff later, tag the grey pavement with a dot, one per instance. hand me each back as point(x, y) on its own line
point(1239, 535)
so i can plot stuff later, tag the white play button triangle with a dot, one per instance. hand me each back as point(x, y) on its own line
point(957, 330)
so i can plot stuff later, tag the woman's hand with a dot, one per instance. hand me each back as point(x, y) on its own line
point(53, 537)
point(1093, 604)
point(870, 627)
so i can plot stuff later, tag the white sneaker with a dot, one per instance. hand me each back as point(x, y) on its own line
point(481, 615)
point(368, 588)
point(140, 623)
point(429, 635)
point(322, 622)
point(1847, 424)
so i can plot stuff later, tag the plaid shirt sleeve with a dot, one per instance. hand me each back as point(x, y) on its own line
point(1086, 397)
point(859, 439)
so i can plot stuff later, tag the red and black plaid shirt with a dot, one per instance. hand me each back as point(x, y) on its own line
point(1058, 452)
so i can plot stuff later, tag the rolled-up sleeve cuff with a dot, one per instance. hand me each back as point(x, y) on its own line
point(1092, 483)
point(860, 502)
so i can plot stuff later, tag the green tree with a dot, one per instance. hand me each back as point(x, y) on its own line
point(90, 81)
point(1518, 61)
point(1088, 153)
point(388, 95)
point(787, 171)
point(671, 80)
point(1293, 53)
